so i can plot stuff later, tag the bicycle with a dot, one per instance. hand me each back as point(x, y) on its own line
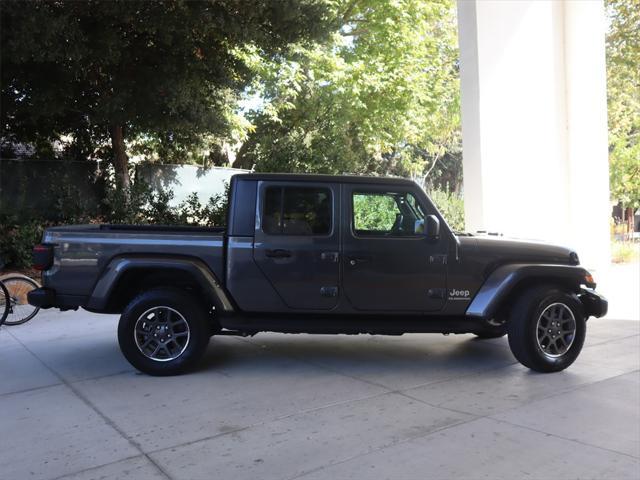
point(5, 303)
point(15, 289)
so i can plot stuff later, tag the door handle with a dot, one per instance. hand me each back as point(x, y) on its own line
point(353, 261)
point(278, 253)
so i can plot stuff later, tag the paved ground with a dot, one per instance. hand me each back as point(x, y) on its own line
point(294, 406)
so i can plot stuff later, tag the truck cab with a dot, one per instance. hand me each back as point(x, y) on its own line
point(315, 244)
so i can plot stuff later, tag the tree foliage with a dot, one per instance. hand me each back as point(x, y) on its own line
point(374, 212)
point(381, 96)
point(170, 71)
point(623, 77)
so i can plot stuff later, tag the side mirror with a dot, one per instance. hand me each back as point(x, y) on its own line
point(432, 227)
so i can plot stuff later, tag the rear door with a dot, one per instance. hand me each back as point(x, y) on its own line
point(297, 242)
point(389, 263)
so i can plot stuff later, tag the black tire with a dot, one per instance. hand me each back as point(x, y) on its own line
point(523, 329)
point(184, 308)
point(20, 311)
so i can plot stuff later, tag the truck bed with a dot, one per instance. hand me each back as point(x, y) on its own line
point(83, 252)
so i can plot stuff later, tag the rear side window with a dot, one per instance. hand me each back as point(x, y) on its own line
point(297, 211)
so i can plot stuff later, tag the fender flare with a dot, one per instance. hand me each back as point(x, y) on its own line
point(121, 265)
point(503, 280)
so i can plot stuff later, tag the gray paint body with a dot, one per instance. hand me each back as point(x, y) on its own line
point(83, 253)
point(454, 277)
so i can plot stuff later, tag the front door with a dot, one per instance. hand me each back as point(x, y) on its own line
point(389, 264)
point(297, 242)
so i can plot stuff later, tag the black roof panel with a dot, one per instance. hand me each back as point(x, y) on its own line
point(307, 177)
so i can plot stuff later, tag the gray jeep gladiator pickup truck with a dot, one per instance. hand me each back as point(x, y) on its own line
point(317, 254)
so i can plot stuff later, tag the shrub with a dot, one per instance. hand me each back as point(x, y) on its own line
point(625, 252)
point(142, 205)
point(212, 214)
point(126, 206)
point(68, 203)
point(451, 205)
point(17, 240)
point(374, 212)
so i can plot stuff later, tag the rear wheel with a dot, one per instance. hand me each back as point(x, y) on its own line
point(546, 329)
point(164, 331)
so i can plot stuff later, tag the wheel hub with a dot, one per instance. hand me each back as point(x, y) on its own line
point(556, 330)
point(162, 334)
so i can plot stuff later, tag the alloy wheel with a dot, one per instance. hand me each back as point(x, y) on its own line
point(556, 330)
point(162, 334)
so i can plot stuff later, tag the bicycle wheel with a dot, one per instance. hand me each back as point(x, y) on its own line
point(4, 303)
point(20, 311)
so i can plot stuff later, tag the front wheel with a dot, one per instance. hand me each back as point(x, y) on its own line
point(164, 331)
point(547, 328)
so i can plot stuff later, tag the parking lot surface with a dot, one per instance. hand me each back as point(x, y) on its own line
point(315, 407)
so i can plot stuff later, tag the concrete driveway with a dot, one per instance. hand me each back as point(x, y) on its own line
point(315, 407)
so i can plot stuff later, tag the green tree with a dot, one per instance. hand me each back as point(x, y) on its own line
point(104, 71)
point(381, 96)
point(623, 77)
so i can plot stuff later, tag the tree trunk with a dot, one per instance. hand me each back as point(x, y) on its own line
point(630, 222)
point(120, 158)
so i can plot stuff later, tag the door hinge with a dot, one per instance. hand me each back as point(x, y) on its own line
point(436, 293)
point(329, 257)
point(330, 292)
point(438, 259)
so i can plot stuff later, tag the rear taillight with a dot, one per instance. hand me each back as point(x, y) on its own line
point(42, 257)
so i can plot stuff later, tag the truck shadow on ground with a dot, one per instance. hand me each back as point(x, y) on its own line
point(84, 356)
point(405, 355)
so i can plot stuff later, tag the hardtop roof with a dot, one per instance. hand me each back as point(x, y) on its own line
point(308, 177)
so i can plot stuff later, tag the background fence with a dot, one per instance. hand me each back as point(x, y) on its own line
point(28, 186)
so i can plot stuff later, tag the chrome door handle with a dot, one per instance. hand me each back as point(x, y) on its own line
point(278, 253)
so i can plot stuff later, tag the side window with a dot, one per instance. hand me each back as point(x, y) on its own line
point(272, 211)
point(297, 211)
point(387, 214)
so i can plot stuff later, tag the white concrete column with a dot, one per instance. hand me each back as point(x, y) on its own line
point(534, 123)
